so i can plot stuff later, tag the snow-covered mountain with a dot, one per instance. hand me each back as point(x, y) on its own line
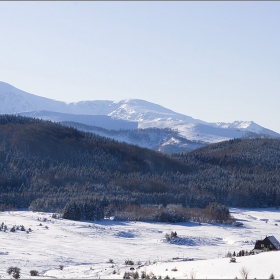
point(249, 126)
point(103, 121)
point(128, 114)
point(164, 140)
point(15, 101)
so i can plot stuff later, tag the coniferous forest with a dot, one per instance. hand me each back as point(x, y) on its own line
point(45, 166)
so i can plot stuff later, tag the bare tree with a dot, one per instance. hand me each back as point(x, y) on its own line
point(244, 272)
point(192, 274)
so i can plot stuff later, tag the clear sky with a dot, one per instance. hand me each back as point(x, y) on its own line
point(214, 61)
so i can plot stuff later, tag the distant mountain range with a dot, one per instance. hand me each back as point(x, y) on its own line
point(133, 121)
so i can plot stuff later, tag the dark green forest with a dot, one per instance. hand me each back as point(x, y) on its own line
point(45, 166)
point(238, 172)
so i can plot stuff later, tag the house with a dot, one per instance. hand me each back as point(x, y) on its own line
point(269, 243)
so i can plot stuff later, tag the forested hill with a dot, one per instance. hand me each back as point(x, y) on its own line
point(46, 166)
point(48, 141)
point(239, 172)
point(40, 159)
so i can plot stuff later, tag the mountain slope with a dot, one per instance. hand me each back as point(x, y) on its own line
point(244, 172)
point(44, 160)
point(95, 120)
point(248, 126)
point(45, 165)
point(17, 101)
point(164, 140)
point(126, 114)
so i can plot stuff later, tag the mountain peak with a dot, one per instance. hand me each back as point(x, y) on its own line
point(138, 112)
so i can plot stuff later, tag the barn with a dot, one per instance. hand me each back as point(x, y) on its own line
point(269, 243)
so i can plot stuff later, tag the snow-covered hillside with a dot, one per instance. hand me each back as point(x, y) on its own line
point(103, 121)
point(164, 140)
point(95, 250)
point(248, 126)
point(129, 113)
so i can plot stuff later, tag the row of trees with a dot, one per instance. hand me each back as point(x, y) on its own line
point(173, 213)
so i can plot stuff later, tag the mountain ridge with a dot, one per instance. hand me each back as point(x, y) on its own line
point(126, 114)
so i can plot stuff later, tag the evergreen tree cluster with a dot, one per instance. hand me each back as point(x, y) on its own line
point(238, 172)
point(50, 167)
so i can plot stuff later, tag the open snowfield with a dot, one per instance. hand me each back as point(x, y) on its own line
point(84, 248)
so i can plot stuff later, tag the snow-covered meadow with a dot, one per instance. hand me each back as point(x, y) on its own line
point(99, 249)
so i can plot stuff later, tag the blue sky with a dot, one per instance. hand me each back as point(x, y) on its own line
point(215, 61)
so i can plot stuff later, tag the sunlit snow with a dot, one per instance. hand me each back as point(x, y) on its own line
point(139, 112)
point(85, 248)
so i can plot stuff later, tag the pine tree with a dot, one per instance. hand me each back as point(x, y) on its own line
point(72, 211)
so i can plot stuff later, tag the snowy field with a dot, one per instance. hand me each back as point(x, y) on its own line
point(99, 249)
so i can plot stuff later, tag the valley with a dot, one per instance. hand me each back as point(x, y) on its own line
point(93, 250)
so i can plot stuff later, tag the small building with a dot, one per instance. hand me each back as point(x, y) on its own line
point(269, 243)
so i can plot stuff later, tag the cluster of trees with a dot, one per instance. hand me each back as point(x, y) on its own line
point(173, 213)
point(85, 210)
point(50, 167)
point(239, 172)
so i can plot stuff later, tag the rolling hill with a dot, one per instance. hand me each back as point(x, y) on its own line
point(45, 165)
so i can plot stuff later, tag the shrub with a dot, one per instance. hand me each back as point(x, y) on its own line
point(170, 236)
point(272, 276)
point(34, 273)
point(61, 266)
point(126, 275)
point(55, 216)
point(228, 255)
point(14, 271)
point(143, 275)
point(167, 237)
point(129, 262)
point(111, 261)
point(131, 275)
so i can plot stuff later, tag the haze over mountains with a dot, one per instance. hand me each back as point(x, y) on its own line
point(134, 121)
